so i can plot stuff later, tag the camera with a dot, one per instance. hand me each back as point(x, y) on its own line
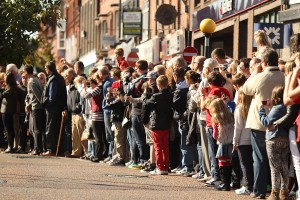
point(229, 75)
point(216, 69)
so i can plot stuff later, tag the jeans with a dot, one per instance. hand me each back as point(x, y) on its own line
point(140, 137)
point(212, 151)
point(186, 151)
point(199, 150)
point(109, 133)
point(132, 145)
point(261, 163)
point(246, 160)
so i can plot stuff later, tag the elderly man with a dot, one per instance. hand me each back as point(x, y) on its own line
point(260, 87)
point(54, 101)
point(198, 63)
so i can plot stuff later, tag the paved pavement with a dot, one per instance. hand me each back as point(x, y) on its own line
point(34, 177)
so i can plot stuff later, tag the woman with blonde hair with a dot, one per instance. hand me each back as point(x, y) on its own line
point(262, 42)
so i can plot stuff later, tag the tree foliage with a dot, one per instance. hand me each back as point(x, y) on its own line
point(19, 21)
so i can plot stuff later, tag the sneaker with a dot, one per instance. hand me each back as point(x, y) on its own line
point(149, 168)
point(117, 163)
point(182, 171)
point(176, 169)
point(242, 191)
point(106, 160)
point(129, 163)
point(212, 183)
point(197, 176)
point(188, 174)
point(235, 185)
point(204, 179)
point(223, 187)
point(135, 166)
point(159, 172)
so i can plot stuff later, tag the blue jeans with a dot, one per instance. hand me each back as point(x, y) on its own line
point(109, 133)
point(186, 151)
point(261, 163)
point(212, 151)
point(199, 150)
point(140, 137)
point(132, 144)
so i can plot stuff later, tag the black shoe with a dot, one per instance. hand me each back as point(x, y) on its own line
point(95, 160)
point(223, 187)
point(235, 185)
point(117, 163)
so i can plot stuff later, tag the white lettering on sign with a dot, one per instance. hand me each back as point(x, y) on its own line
point(130, 17)
point(276, 32)
point(225, 6)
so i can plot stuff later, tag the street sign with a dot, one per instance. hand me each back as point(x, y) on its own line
point(188, 53)
point(274, 31)
point(132, 58)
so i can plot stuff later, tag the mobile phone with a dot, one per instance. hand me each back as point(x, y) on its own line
point(264, 102)
point(229, 75)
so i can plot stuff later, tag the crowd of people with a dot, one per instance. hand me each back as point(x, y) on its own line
point(227, 123)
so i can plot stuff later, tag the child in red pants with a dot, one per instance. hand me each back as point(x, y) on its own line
point(159, 107)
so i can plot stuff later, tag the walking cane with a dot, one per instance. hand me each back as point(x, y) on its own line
point(61, 127)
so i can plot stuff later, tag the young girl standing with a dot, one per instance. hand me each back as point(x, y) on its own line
point(242, 141)
point(223, 125)
point(277, 144)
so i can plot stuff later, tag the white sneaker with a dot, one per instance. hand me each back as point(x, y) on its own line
point(242, 191)
point(159, 172)
point(197, 176)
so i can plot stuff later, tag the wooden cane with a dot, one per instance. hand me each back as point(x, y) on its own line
point(61, 127)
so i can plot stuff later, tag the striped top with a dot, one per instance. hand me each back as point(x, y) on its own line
point(97, 97)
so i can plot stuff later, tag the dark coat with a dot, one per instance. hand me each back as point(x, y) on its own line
point(160, 107)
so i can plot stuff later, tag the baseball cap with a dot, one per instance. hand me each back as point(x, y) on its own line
point(152, 74)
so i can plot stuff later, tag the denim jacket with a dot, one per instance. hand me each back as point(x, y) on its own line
point(276, 112)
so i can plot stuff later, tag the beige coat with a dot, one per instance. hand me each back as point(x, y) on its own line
point(261, 86)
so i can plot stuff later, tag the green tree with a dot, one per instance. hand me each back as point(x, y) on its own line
point(19, 21)
point(42, 54)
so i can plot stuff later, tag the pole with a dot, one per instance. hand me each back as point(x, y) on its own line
point(206, 46)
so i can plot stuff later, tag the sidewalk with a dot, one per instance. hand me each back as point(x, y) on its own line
point(34, 177)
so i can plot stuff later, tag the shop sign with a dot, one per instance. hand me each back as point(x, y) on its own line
point(108, 40)
point(225, 6)
point(274, 31)
point(132, 22)
point(222, 9)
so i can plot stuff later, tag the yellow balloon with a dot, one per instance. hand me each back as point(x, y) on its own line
point(207, 25)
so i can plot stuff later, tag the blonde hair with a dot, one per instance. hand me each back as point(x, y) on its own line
point(79, 79)
point(208, 100)
point(220, 112)
point(261, 38)
point(288, 67)
point(244, 101)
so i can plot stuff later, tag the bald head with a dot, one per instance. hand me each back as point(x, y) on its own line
point(12, 68)
point(198, 63)
point(103, 72)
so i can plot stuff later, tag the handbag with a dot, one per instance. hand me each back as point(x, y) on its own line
point(84, 135)
point(126, 122)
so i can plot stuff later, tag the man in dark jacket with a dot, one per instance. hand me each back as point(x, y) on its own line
point(179, 106)
point(54, 101)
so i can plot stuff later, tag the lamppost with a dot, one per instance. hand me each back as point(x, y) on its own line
point(207, 26)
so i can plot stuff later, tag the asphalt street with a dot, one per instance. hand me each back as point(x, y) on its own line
point(35, 177)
